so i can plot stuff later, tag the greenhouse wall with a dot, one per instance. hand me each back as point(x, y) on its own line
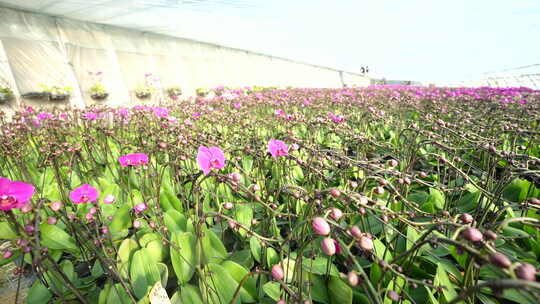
point(37, 49)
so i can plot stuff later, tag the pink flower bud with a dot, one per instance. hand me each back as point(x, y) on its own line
point(109, 199)
point(355, 232)
point(281, 302)
point(363, 200)
point(320, 226)
point(71, 216)
point(235, 176)
point(335, 214)
point(328, 246)
point(277, 272)
point(105, 230)
point(295, 147)
point(7, 254)
point(353, 279)
point(392, 163)
point(29, 229)
point(51, 220)
point(93, 210)
point(379, 190)
point(335, 193)
point(365, 243)
point(140, 207)
point(55, 206)
point(255, 188)
point(232, 224)
point(136, 224)
point(466, 218)
point(228, 205)
point(26, 208)
point(89, 216)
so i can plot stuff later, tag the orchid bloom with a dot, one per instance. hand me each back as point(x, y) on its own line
point(134, 159)
point(277, 148)
point(14, 194)
point(83, 194)
point(210, 158)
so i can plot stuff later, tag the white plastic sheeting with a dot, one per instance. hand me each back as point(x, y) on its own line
point(63, 52)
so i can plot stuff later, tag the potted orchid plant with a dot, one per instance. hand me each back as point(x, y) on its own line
point(56, 93)
point(174, 92)
point(98, 91)
point(145, 90)
point(6, 94)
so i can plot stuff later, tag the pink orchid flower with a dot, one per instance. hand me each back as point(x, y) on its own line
point(133, 159)
point(161, 112)
point(210, 158)
point(90, 116)
point(83, 194)
point(277, 148)
point(14, 194)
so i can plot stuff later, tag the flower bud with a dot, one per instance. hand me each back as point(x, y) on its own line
point(51, 220)
point(472, 234)
point(466, 218)
point(499, 259)
point(140, 207)
point(277, 272)
point(109, 199)
point(55, 206)
point(136, 224)
point(365, 243)
point(379, 190)
point(228, 205)
point(526, 271)
point(320, 226)
point(328, 246)
point(355, 232)
point(335, 193)
point(7, 254)
point(26, 208)
point(336, 214)
point(353, 278)
point(235, 176)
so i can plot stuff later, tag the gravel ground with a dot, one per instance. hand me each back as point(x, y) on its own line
point(8, 282)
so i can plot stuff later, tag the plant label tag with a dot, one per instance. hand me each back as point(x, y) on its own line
point(158, 295)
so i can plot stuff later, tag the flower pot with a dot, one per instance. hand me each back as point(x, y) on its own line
point(5, 97)
point(58, 97)
point(99, 96)
point(34, 95)
point(143, 95)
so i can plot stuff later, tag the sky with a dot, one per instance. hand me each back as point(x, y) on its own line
point(425, 40)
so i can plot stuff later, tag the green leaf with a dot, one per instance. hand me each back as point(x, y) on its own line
point(272, 290)
point(38, 293)
point(190, 294)
point(436, 197)
point(185, 259)
point(213, 249)
point(143, 272)
point(118, 294)
point(441, 279)
point(169, 201)
point(175, 221)
point(319, 290)
point(219, 286)
point(248, 291)
point(121, 220)
point(6, 232)
point(255, 247)
point(320, 266)
point(380, 251)
point(56, 238)
point(126, 250)
point(339, 291)
point(272, 257)
point(243, 215)
point(156, 251)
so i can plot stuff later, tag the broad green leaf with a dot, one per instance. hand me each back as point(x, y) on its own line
point(6, 232)
point(144, 272)
point(218, 286)
point(38, 293)
point(437, 198)
point(339, 291)
point(255, 247)
point(56, 238)
point(126, 250)
point(121, 220)
point(272, 289)
point(190, 294)
point(441, 279)
point(175, 221)
point(213, 249)
point(185, 259)
point(243, 215)
point(248, 292)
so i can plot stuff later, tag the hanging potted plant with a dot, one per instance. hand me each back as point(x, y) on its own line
point(174, 92)
point(57, 93)
point(6, 94)
point(143, 92)
point(98, 91)
point(202, 92)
